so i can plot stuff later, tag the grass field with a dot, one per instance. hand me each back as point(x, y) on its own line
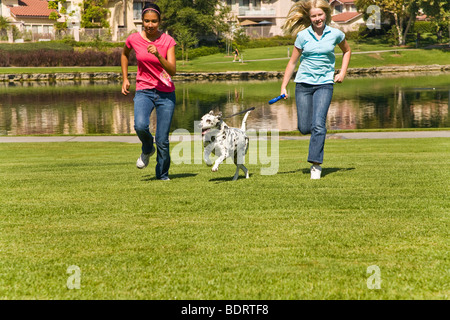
point(381, 203)
point(275, 59)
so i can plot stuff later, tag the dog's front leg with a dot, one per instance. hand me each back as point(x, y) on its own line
point(206, 155)
point(217, 163)
point(222, 153)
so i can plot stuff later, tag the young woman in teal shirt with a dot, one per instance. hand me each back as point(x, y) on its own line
point(314, 46)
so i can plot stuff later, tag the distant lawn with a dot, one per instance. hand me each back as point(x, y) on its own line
point(220, 62)
point(381, 203)
point(258, 60)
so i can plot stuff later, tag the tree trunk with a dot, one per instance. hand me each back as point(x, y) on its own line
point(398, 25)
point(182, 54)
point(411, 19)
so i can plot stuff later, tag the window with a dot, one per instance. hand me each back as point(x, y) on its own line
point(137, 10)
point(256, 3)
point(338, 9)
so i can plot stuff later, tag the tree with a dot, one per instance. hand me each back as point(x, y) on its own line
point(438, 10)
point(94, 14)
point(200, 17)
point(4, 26)
point(4, 23)
point(186, 40)
point(404, 13)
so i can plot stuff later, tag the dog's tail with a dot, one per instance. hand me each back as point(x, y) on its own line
point(244, 121)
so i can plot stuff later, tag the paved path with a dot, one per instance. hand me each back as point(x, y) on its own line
point(134, 139)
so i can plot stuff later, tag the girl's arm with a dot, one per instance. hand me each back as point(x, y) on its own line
point(345, 61)
point(169, 64)
point(290, 68)
point(124, 64)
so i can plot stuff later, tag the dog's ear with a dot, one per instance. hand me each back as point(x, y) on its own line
point(219, 115)
point(211, 112)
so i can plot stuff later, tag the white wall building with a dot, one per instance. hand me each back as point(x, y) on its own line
point(264, 18)
point(345, 15)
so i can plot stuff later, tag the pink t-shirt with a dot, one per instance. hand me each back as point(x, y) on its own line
point(150, 73)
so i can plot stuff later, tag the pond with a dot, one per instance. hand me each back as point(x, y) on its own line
point(412, 101)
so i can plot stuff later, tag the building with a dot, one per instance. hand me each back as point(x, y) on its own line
point(29, 16)
point(259, 18)
point(124, 17)
point(345, 16)
point(264, 18)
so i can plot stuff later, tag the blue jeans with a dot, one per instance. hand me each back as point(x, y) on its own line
point(144, 103)
point(313, 102)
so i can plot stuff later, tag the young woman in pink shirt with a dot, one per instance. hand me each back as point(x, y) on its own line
point(155, 54)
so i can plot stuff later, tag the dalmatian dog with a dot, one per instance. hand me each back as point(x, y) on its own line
point(223, 141)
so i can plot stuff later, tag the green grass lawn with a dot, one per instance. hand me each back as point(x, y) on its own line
point(201, 236)
point(258, 59)
point(255, 60)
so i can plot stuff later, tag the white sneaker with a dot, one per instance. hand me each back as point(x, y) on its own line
point(316, 171)
point(143, 160)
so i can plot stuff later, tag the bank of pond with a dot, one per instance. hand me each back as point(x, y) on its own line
point(98, 107)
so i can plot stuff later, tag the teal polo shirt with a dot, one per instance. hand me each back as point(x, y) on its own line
point(317, 60)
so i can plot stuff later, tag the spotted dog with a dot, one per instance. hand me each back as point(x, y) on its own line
point(223, 141)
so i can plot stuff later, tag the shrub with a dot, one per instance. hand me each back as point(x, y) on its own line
point(63, 58)
point(270, 42)
point(4, 59)
point(35, 46)
point(198, 52)
point(423, 27)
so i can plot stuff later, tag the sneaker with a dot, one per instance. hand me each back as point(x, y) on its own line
point(164, 179)
point(316, 171)
point(143, 160)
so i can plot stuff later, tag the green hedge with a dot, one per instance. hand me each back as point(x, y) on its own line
point(423, 27)
point(35, 46)
point(270, 42)
point(197, 52)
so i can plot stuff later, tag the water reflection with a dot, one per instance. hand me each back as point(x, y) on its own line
point(84, 107)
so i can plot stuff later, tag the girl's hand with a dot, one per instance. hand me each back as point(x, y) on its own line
point(339, 78)
point(284, 91)
point(153, 50)
point(125, 87)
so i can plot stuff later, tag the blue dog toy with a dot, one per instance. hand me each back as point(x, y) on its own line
point(276, 99)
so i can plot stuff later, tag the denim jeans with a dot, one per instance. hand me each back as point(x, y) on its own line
point(144, 103)
point(313, 102)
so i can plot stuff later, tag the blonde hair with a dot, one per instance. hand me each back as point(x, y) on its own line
point(298, 16)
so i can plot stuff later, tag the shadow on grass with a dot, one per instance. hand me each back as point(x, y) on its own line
point(227, 179)
point(171, 176)
point(325, 171)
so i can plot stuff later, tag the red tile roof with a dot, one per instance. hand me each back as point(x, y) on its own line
point(31, 9)
point(422, 17)
point(343, 1)
point(345, 16)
